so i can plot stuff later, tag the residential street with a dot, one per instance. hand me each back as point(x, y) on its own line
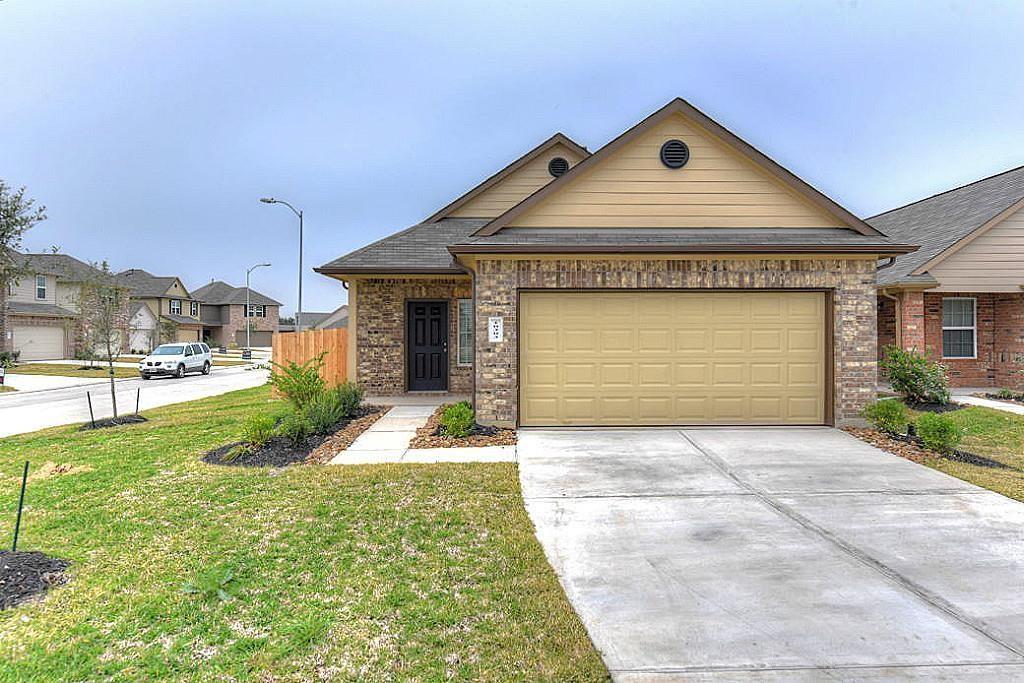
point(27, 411)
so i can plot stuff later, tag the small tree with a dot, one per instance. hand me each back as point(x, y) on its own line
point(103, 305)
point(17, 214)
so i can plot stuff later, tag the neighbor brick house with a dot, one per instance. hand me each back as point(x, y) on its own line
point(224, 315)
point(41, 308)
point(675, 276)
point(177, 311)
point(960, 298)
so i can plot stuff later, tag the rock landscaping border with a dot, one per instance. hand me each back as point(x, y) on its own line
point(911, 448)
point(996, 397)
point(317, 449)
point(25, 575)
point(428, 436)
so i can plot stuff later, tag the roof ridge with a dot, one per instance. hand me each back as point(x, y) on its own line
point(939, 194)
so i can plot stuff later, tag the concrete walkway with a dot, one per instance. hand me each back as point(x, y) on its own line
point(387, 441)
point(964, 396)
point(776, 555)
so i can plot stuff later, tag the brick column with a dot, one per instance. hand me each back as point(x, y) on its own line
point(911, 320)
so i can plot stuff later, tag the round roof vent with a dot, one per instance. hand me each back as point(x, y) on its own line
point(675, 154)
point(558, 166)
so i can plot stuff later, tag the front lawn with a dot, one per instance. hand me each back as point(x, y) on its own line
point(67, 370)
point(994, 434)
point(370, 573)
point(4, 387)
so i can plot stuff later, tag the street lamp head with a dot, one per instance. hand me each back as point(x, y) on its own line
point(265, 265)
point(268, 200)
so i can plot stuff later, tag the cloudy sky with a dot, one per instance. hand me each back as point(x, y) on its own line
point(151, 128)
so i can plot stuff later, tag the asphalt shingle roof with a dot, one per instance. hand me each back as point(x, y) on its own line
point(219, 293)
point(26, 308)
point(940, 221)
point(421, 248)
point(181, 319)
point(62, 266)
point(143, 284)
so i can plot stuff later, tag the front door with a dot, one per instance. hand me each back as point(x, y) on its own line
point(427, 345)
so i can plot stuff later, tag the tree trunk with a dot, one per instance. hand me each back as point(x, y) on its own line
point(110, 366)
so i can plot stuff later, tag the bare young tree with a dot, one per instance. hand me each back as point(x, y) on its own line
point(103, 306)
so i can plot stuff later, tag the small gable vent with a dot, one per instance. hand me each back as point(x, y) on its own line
point(675, 154)
point(558, 166)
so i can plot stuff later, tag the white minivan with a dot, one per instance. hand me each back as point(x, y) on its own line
point(177, 359)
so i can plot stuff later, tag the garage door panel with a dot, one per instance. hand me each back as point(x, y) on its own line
point(38, 342)
point(700, 358)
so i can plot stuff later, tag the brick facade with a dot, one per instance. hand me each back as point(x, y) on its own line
point(852, 282)
point(380, 331)
point(232, 319)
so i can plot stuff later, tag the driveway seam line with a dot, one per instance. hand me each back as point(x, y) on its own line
point(808, 667)
point(851, 550)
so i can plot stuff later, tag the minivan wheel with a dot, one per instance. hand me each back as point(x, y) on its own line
point(181, 372)
point(206, 368)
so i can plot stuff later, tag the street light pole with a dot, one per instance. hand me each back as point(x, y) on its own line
point(248, 306)
point(298, 311)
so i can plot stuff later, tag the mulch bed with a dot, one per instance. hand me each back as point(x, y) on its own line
point(935, 407)
point(910, 447)
point(280, 452)
point(24, 575)
point(996, 397)
point(428, 436)
point(113, 422)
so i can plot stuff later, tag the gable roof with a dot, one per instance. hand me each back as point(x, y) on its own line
point(61, 266)
point(422, 248)
point(143, 284)
point(944, 220)
point(684, 108)
point(220, 293)
point(553, 141)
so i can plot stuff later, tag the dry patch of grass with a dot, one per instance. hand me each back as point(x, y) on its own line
point(65, 370)
point(369, 573)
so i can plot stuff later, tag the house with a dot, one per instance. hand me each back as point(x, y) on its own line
point(312, 320)
point(960, 297)
point(42, 307)
point(176, 311)
point(224, 315)
point(142, 325)
point(675, 276)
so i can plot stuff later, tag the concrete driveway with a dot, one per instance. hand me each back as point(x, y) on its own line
point(776, 555)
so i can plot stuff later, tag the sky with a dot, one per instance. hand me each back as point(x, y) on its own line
point(150, 129)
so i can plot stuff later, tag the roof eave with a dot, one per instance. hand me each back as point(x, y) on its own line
point(388, 270)
point(880, 250)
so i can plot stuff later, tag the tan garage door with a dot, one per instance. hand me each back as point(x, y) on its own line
point(663, 358)
point(39, 343)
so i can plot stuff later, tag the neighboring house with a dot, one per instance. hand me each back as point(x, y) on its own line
point(312, 320)
point(224, 315)
point(675, 276)
point(42, 306)
point(960, 297)
point(177, 312)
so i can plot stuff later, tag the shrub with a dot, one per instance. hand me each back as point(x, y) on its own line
point(1006, 394)
point(457, 419)
point(295, 427)
point(299, 384)
point(8, 358)
point(914, 377)
point(938, 432)
point(888, 415)
point(324, 411)
point(351, 396)
point(258, 429)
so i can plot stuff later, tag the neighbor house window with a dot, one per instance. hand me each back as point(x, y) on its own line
point(959, 328)
point(256, 311)
point(175, 306)
point(195, 309)
point(465, 331)
point(40, 286)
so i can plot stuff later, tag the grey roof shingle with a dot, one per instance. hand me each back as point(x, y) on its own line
point(219, 293)
point(27, 308)
point(62, 266)
point(143, 284)
point(181, 319)
point(940, 221)
point(423, 248)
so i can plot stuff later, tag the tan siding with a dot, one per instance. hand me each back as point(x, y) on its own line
point(717, 188)
point(25, 290)
point(516, 187)
point(992, 262)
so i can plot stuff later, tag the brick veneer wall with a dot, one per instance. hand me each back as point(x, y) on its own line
point(234, 320)
point(886, 324)
point(380, 331)
point(1000, 334)
point(852, 282)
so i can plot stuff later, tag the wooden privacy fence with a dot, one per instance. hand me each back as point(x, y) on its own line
point(301, 346)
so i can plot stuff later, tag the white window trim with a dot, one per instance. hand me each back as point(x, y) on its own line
point(43, 297)
point(255, 311)
point(193, 308)
point(458, 332)
point(973, 328)
point(170, 306)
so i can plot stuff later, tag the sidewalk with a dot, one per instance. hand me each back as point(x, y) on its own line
point(387, 441)
point(963, 396)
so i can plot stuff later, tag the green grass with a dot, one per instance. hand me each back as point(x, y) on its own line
point(60, 370)
point(370, 573)
point(4, 388)
point(994, 434)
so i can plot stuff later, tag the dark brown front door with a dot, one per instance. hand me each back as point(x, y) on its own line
point(427, 345)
